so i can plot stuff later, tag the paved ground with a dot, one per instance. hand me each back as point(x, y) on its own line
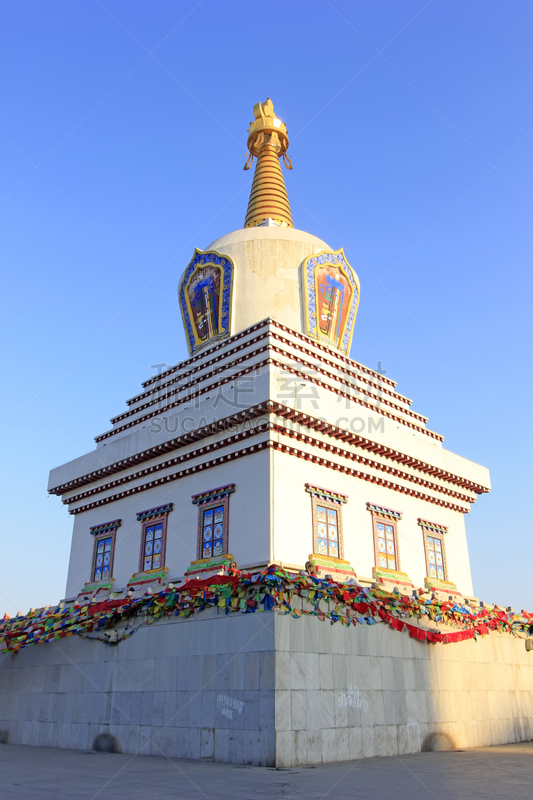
point(39, 773)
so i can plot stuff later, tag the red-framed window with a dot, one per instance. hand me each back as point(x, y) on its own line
point(153, 537)
point(385, 531)
point(213, 521)
point(103, 550)
point(434, 549)
point(326, 507)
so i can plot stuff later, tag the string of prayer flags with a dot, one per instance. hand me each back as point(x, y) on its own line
point(273, 589)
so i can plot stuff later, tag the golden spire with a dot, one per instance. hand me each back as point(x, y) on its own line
point(268, 141)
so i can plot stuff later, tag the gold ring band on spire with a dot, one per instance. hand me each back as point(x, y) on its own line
point(268, 142)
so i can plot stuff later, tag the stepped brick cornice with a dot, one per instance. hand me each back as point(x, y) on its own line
point(159, 396)
point(319, 444)
point(332, 354)
point(284, 412)
point(134, 414)
point(156, 392)
point(280, 447)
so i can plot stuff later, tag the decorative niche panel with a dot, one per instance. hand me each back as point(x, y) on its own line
point(206, 296)
point(331, 298)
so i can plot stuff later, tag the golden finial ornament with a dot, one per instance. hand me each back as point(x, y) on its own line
point(268, 142)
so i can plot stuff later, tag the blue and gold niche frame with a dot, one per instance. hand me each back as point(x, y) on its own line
point(206, 296)
point(331, 298)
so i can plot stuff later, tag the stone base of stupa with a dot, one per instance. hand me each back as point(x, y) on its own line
point(267, 689)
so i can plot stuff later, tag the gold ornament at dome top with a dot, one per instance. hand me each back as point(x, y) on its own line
point(268, 142)
point(266, 128)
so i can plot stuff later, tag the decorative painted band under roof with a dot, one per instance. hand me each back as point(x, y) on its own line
point(326, 494)
point(213, 494)
point(432, 526)
point(105, 527)
point(384, 512)
point(158, 511)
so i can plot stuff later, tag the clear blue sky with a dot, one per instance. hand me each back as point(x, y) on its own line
point(122, 141)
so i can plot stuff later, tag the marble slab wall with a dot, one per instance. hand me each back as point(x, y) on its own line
point(267, 689)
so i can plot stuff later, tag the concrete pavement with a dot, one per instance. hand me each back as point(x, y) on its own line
point(490, 773)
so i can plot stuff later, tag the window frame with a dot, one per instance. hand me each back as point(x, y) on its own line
point(331, 500)
point(106, 530)
point(205, 501)
point(385, 516)
point(149, 518)
point(435, 531)
point(224, 502)
point(161, 520)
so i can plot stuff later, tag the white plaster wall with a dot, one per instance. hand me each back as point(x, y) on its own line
point(267, 262)
point(249, 521)
point(155, 431)
point(292, 518)
point(352, 416)
point(288, 523)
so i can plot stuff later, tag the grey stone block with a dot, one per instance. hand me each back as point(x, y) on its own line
point(329, 745)
point(326, 671)
point(181, 742)
point(147, 708)
point(207, 743)
point(342, 744)
point(267, 632)
point(169, 709)
point(314, 710)
point(314, 746)
point(195, 709)
point(339, 672)
point(236, 721)
point(207, 709)
point(328, 709)
point(155, 740)
point(251, 747)
point(298, 644)
point(367, 735)
point(341, 708)
point(355, 743)
point(267, 712)
point(166, 674)
point(250, 712)
point(158, 708)
point(145, 739)
point(236, 746)
point(282, 632)
point(209, 666)
point(283, 711)
point(299, 710)
point(132, 740)
point(221, 745)
point(300, 753)
point(222, 676)
point(283, 748)
point(312, 671)
point(298, 674)
point(72, 707)
point(181, 718)
point(130, 705)
point(168, 742)
point(251, 671)
point(282, 666)
point(234, 664)
point(193, 743)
